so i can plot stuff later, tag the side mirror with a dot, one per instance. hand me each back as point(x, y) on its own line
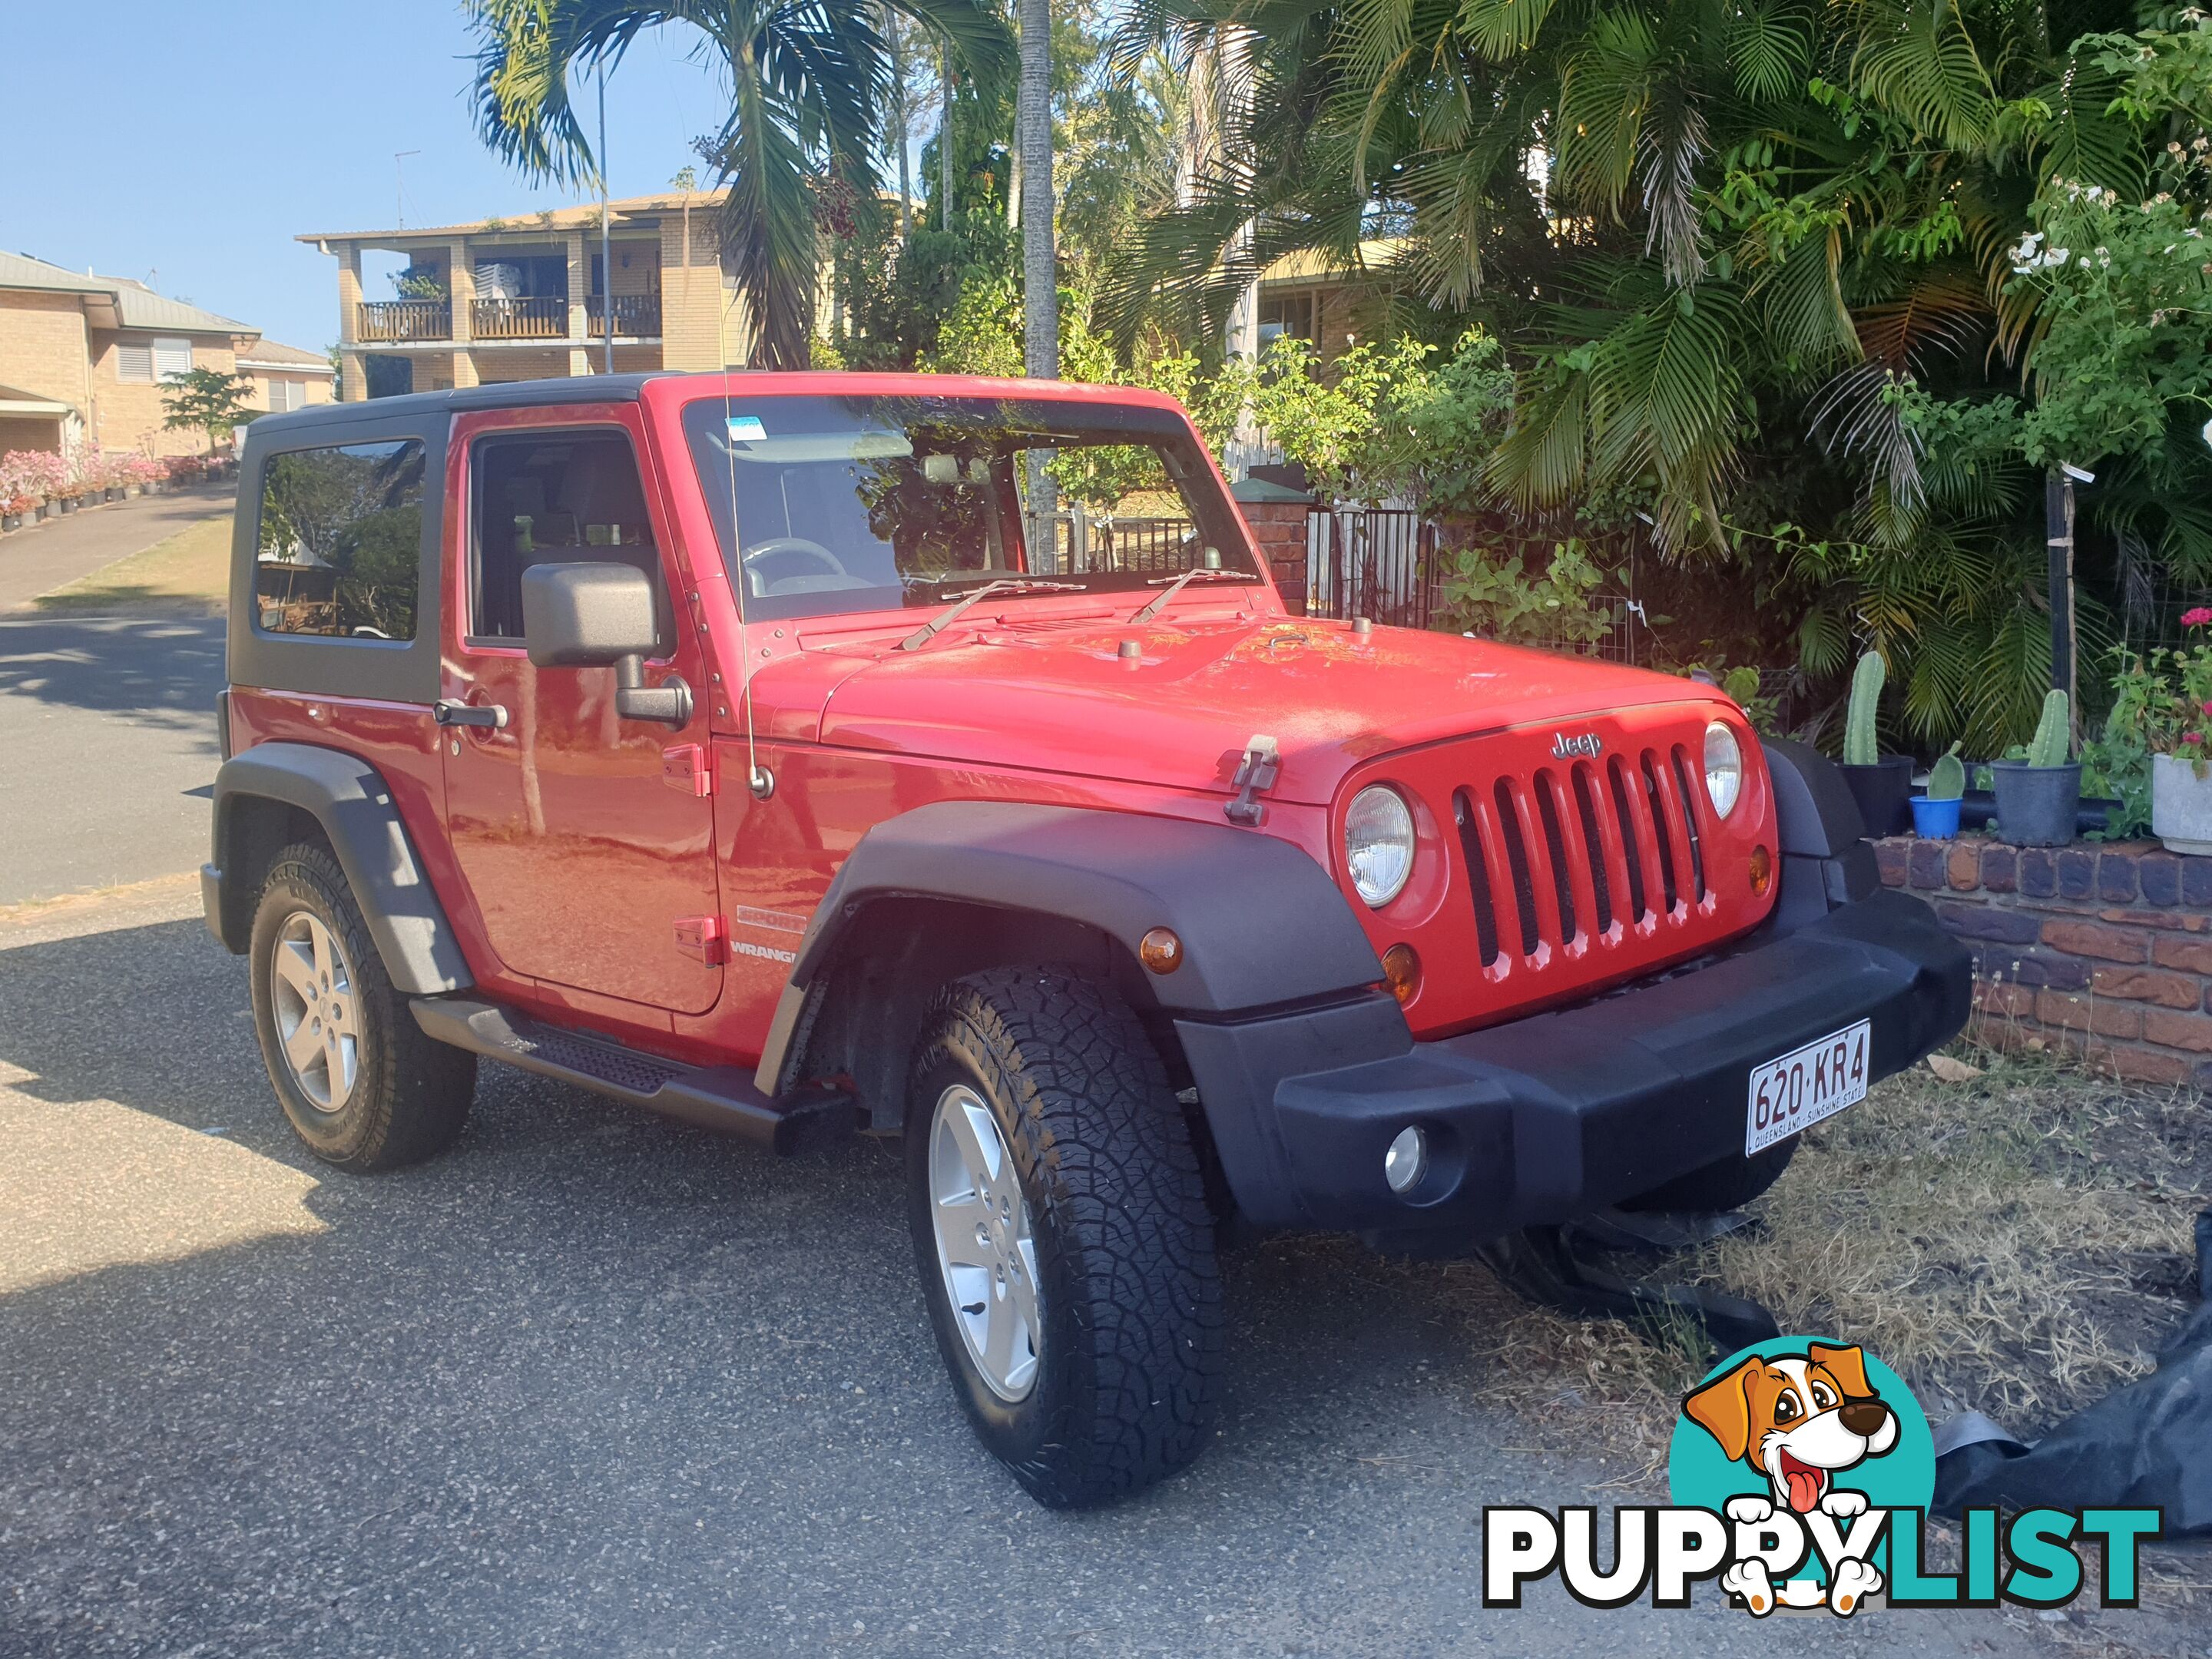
point(601, 616)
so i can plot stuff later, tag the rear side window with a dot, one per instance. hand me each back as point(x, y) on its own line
point(340, 546)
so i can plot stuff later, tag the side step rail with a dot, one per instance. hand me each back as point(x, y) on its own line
point(721, 1098)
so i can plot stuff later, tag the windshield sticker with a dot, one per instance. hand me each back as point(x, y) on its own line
point(746, 429)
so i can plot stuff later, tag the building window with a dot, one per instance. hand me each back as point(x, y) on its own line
point(1287, 313)
point(134, 362)
point(172, 357)
point(338, 551)
point(286, 395)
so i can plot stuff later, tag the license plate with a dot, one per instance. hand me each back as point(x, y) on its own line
point(1802, 1087)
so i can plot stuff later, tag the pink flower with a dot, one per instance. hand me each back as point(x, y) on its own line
point(2192, 737)
point(2197, 619)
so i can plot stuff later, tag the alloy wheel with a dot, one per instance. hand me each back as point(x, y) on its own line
point(311, 993)
point(985, 1249)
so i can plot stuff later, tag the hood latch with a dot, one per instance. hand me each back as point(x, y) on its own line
point(1256, 775)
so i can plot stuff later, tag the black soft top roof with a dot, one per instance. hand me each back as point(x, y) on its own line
point(513, 394)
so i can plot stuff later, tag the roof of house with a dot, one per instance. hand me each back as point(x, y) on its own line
point(270, 353)
point(130, 304)
point(15, 401)
point(583, 216)
point(1314, 265)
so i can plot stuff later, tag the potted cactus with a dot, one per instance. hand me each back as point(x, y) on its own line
point(1880, 783)
point(2040, 795)
point(1936, 814)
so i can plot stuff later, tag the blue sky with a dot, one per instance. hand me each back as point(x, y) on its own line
point(195, 142)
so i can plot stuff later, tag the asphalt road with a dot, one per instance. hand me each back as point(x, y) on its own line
point(596, 1384)
point(107, 749)
point(42, 558)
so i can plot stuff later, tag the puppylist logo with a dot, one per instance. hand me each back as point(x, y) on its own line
point(1801, 1472)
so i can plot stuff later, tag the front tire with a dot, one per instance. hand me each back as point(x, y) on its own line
point(359, 1081)
point(1060, 1225)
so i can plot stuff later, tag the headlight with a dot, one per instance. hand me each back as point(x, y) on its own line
point(1378, 843)
point(1723, 769)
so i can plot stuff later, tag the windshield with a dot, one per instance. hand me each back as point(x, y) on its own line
point(871, 503)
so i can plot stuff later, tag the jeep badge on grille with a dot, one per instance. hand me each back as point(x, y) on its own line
point(1585, 744)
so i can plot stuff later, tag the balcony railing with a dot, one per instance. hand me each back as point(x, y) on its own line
point(406, 319)
point(542, 317)
point(637, 316)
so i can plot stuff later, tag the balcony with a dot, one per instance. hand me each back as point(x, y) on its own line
point(637, 316)
point(406, 319)
point(540, 317)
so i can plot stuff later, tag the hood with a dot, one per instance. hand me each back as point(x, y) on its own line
point(1056, 695)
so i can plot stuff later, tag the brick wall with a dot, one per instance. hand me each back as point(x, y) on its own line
point(131, 414)
point(1280, 528)
point(2103, 951)
point(43, 347)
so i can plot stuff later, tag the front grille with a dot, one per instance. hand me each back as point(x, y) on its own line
point(1550, 856)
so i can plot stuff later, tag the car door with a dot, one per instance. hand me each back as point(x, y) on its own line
point(581, 835)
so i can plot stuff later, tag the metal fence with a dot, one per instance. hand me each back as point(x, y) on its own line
point(1388, 563)
point(1372, 562)
point(1083, 543)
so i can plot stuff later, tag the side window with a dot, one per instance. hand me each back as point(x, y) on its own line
point(340, 545)
point(547, 497)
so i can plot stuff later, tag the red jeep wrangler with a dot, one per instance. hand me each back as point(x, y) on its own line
point(764, 750)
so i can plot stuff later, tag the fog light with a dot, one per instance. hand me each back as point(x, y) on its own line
point(1401, 972)
point(1762, 872)
point(1160, 951)
point(1407, 1161)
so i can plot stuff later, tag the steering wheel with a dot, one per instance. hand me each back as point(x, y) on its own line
point(754, 556)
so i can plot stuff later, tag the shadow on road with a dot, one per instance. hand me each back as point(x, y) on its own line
point(163, 672)
point(593, 1384)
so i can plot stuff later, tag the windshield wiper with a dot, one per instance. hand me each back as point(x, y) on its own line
point(1175, 586)
point(928, 630)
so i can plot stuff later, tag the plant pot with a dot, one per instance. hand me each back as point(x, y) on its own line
point(1935, 820)
point(111, 494)
point(11, 521)
point(67, 506)
point(38, 513)
point(2036, 804)
point(129, 492)
point(2181, 805)
point(1882, 791)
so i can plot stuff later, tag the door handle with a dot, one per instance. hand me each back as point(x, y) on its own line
point(491, 714)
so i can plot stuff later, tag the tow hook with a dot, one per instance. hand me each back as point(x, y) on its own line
point(1255, 774)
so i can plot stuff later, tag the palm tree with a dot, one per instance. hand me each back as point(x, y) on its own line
point(1033, 136)
point(809, 79)
point(1724, 238)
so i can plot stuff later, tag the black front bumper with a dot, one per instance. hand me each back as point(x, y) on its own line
point(1553, 1115)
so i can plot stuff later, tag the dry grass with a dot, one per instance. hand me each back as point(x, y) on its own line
point(2019, 1245)
point(188, 572)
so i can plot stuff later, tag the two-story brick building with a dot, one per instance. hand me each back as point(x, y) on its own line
point(521, 299)
point(83, 357)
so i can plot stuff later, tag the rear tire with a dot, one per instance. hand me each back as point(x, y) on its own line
point(360, 1083)
point(1111, 1380)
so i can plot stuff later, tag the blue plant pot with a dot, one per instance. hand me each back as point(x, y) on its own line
point(1934, 820)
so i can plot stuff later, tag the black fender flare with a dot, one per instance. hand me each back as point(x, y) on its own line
point(352, 803)
point(1263, 925)
point(1825, 859)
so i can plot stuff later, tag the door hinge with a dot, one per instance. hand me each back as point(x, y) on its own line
point(705, 938)
point(683, 769)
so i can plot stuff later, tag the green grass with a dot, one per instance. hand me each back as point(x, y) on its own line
point(189, 572)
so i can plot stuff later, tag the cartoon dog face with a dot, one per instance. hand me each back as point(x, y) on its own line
point(1796, 1421)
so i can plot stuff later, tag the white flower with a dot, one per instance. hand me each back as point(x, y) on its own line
point(2057, 257)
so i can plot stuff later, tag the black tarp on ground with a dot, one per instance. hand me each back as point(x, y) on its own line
point(2147, 1444)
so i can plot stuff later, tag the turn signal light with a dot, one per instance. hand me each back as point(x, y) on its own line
point(1160, 951)
point(1762, 872)
point(1401, 972)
